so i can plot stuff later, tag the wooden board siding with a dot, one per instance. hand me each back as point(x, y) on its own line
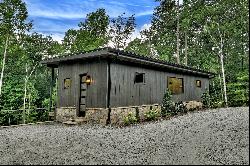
point(124, 92)
point(96, 92)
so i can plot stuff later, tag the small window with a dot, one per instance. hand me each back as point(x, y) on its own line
point(175, 85)
point(139, 78)
point(198, 83)
point(67, 83)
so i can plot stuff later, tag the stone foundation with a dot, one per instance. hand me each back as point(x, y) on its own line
point(97, 115)
point(65, 113)
point(118, 114)
point(101, 115)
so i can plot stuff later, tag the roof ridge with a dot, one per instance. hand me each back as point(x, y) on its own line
point(134, 55)
point(145, 57)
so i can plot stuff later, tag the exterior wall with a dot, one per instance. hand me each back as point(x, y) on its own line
point(124, 92)
point(96, 91)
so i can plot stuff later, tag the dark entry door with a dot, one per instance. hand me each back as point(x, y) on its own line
point(83, 94)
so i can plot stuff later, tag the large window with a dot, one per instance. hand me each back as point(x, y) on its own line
point(139, 78)
point(175, 85)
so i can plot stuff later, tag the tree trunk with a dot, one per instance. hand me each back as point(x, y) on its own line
point(223, 71)
point(24, 100)
point(25, 92)
point(29, 101)
point(221, 90)
point(29, 105)
point(186, 48)
point(177, 35)
point(3, 64)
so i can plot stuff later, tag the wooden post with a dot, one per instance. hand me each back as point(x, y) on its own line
point(51, 88)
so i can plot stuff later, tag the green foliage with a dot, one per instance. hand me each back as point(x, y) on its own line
point(238, 92)
point(216, 93)
point(45, 102)
point(130, 119)
point(13, 15)
point(180, 108)
point(10, 118)
point(151, 115)
point(36, 116)
point(167, 105)
point(12, 95)
point(139, 47)
point(121, 30)
point(14, 117)
point(91, 35)
point(206, 99)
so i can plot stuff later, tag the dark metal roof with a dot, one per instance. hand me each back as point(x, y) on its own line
point(108, 52)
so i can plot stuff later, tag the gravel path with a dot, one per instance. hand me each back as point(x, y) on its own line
point(210, 137)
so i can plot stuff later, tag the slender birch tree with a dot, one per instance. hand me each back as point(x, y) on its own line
point(13, 15)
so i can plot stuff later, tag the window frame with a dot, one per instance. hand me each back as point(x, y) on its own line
point(181, 87)
point(143, 78)
point(196, 83)
point(64, 83)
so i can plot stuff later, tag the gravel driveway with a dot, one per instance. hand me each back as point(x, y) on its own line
point(218, 136)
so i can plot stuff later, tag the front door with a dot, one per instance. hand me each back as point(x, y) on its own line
point(83, 93)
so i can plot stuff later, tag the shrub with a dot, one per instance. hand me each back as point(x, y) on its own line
point(238, 92)
point(206, 99)
point(180, 108)
point(10, 118)
point(130, 119)
point(167, 105)
point(13, 117)
point(151, 115)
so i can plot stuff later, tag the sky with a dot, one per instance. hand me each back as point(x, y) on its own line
point(55, 17)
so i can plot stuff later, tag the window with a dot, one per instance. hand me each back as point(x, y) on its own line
point(67, 83)
point(198, 83)
point(139, 78)
point(175, 85)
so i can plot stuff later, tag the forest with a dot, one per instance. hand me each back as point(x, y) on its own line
point(212, 35)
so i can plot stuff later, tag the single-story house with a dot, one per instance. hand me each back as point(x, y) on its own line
point(110, 78)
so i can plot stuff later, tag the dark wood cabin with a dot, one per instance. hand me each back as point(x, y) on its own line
point(107, 78)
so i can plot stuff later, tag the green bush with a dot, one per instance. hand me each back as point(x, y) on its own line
point(151, 115)
point(167, 106)
point(13, 117)
point(36, 116)
point(130, 119)
point(10, 118)
point(206, 101)
point(180, 108)
point(238, 92)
